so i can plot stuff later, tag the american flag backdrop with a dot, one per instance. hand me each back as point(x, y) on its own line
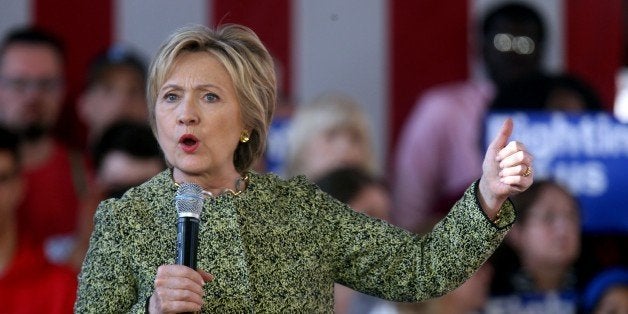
point(383, 53)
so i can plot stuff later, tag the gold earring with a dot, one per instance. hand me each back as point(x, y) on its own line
point(244, 136)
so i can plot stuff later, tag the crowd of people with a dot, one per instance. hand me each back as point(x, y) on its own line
point(50, 187)
point(314, 224)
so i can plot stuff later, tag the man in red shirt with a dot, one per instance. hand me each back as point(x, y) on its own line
point(28, 282)
point(31, 97)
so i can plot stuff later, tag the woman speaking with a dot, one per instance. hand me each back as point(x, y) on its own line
point(267, 244)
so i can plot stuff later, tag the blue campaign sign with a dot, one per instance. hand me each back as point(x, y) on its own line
point(277, 147)
point(587, 153)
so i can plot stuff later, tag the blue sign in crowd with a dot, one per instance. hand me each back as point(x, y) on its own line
point(588, 153)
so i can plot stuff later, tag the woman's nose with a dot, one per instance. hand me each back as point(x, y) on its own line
point(188, 114)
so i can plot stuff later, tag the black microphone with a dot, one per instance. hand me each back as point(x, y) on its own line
point(189, 203)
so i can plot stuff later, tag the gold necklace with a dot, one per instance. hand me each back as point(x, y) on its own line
point(240, 184)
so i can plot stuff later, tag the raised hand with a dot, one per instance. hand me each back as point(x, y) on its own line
point(506, 170)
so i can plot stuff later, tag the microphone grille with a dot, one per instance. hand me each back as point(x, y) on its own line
point(189, 200)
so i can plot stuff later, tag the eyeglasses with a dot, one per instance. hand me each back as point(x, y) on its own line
point(24, 85)
point(522, 45)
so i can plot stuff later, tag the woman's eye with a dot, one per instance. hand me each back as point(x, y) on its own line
point(211, 97)
point(170, 97)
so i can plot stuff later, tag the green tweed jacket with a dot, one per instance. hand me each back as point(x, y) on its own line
point(278, 247)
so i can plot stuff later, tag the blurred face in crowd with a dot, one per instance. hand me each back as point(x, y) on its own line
point(372, 200)
point(198, 118)
point(118, 95)
point(614, 301)
point(31, 88)
point(335, 148)
point(511, 49)
point(550, 235)
point(10, 187)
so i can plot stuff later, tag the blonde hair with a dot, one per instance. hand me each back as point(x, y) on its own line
point(249, 65)
point(328, 111)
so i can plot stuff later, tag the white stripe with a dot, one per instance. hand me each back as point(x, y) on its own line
point(14, 14)
point(145, 24)
point(338, 47)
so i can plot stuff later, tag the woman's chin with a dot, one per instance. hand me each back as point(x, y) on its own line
point(188, 169)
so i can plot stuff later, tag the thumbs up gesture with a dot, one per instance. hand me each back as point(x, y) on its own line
point(506, 170)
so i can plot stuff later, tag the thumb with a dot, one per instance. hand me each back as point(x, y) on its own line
point(207, 277)
point(501, 139)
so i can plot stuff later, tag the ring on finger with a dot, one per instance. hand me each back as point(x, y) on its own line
point(528, 171)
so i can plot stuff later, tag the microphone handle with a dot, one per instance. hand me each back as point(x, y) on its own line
point(187, 241)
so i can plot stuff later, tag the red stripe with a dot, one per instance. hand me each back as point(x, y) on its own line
point(86, 29)
point(594, 43)
point(625, 33)
point(271, 20)
point(429, 46)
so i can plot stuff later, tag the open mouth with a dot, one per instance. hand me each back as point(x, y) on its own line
point(189, 143)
